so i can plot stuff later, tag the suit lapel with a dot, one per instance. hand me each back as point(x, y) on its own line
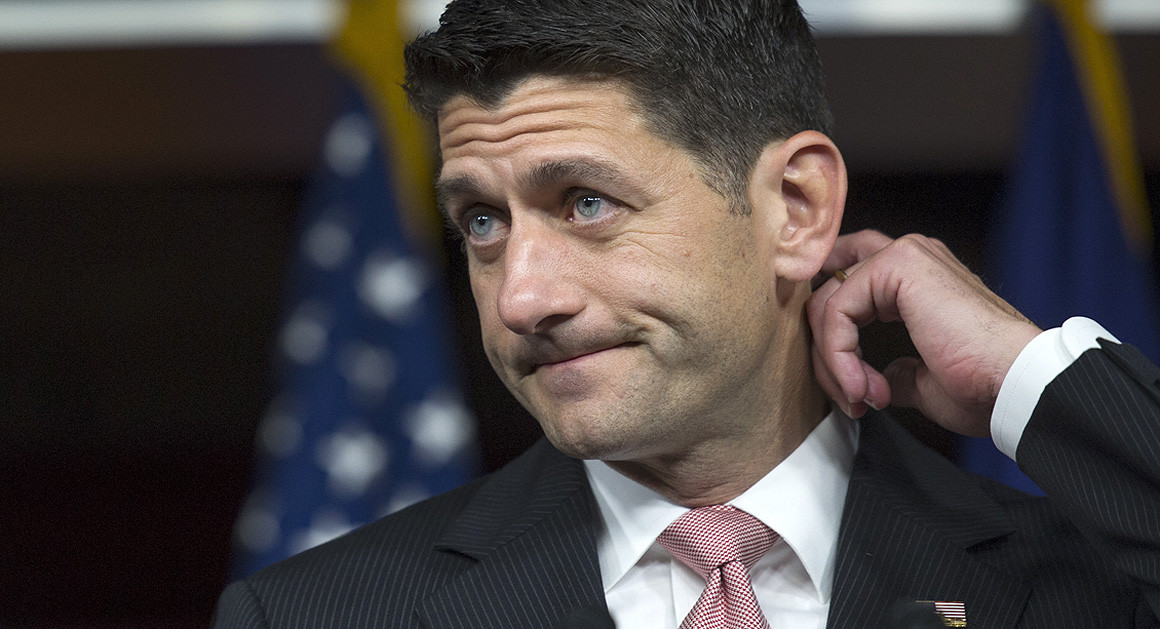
point(914, 528)
point(531, 531)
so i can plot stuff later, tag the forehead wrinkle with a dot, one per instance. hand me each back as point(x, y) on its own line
point(484, 133)
point(465, 125)
point(535, 106)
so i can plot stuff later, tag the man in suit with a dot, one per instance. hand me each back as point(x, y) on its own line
point(647, 198)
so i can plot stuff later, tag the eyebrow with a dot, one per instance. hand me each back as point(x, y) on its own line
point(575, 170)
point(459, 186)
point(580, 170)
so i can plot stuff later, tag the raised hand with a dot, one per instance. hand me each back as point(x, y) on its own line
point(966, 336)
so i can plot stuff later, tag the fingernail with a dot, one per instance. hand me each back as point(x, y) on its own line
point(871, 404)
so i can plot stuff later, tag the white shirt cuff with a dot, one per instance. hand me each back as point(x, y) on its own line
point(1044, 358)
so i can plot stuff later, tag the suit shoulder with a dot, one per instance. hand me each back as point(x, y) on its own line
point(354, 578)
point(926, 484)
point(1002, 543)
point(413, 530)
point(376, 571)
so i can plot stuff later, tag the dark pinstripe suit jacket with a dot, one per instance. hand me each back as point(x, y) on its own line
point(517, 548)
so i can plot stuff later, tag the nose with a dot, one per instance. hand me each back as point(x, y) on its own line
point(538, 289)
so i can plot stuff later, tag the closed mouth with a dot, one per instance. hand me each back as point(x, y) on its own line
point(574, 356)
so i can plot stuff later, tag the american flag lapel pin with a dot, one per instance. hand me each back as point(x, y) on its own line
point(953, 613)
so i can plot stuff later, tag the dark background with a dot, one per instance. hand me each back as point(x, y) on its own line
point(148, 202)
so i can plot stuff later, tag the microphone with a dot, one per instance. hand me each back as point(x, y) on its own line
point(914, 615)
point(587, 618)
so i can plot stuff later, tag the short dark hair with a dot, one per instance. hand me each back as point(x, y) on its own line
point(718, 78)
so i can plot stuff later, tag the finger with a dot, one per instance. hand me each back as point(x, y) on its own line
point(829, 385)
point(836, 336)
point(825, 378)
point(826, 283)
point(841, 309)
point(849, 249)
point(824, 365)
point(878, 393)
point(902, 376)
point(914, 386)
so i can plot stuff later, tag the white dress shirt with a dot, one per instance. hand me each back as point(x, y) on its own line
point(801, 499)
point(1044, 358)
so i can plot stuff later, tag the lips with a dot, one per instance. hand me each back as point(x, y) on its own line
point(571, 358)
point(546, 357)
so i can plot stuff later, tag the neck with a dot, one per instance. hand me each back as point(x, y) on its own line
point(720, 468)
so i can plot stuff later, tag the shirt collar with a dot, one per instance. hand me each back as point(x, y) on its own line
point(802, 499)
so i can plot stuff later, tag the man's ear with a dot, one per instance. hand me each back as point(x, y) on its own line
point(798, 192)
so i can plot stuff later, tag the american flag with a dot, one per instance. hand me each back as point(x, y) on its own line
point(367, 419)
point(953, 613)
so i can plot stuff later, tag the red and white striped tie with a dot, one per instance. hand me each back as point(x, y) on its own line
point(721, 543)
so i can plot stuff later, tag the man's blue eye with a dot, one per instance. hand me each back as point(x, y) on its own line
point(481, 225)
point(589, 206)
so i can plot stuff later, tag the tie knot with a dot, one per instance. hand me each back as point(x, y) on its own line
point(709, 537)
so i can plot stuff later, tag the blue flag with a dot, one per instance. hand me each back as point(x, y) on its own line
point(1063, 247)
point(368, 418)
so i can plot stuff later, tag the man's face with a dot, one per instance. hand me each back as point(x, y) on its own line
point(620, 301)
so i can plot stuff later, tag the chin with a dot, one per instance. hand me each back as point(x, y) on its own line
point(585, 441)
point(581, 448)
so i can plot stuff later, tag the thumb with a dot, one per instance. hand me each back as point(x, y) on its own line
point(913, 386)
point(902, 376)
